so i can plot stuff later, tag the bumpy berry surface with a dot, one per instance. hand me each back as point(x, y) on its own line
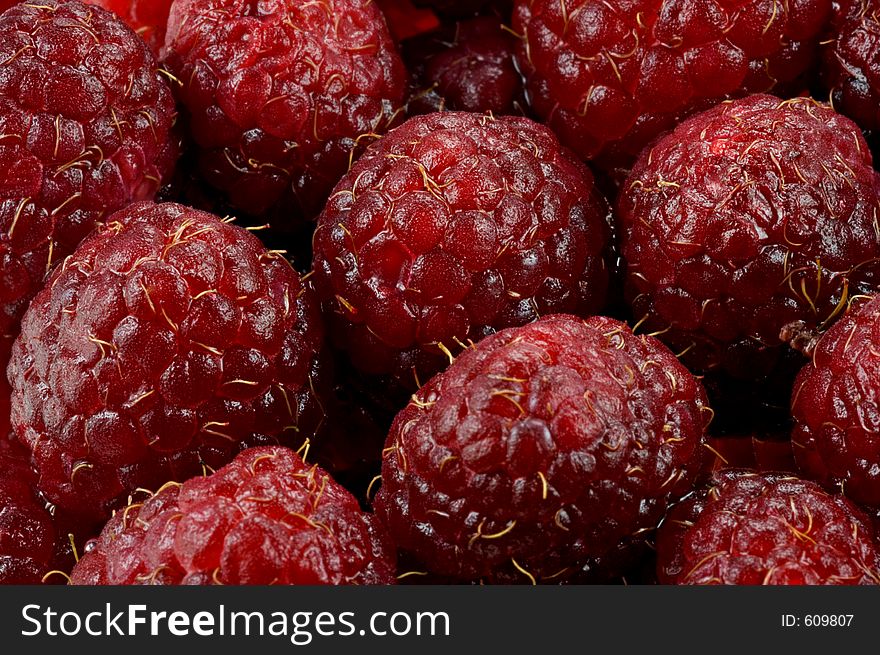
point(85, 128)
point(610, 76)
point(452, 225)
point(146, 17)
point(467, 66)
point(836, 406)
point(27, 535)
point(545, 446)
point(169, 339)
point(265, 518)
point(748, 217)
point(278, 93)
point(851, 63)
point(746, 528)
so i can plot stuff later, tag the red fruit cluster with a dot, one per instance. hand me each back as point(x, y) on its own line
point(265, 518)
point(166, 343)
point(750, 529)
point(451, 226)
point(751, 216)
point(27, 535)
point(543, 447)
point(836, 406)
point(85, 128)
point(467, 66)
point(146, 17)
point(610, 76)
point(279, 93)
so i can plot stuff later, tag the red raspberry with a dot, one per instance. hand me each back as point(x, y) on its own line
point(167, 341)
point(468, 66)
point(747, 528)
point(851, 63)
point(146, 17)
point(610, 76)
point(279, 92)
point(85, 128)
point(451, 226)
point(836, 406)
point(748, 217)
point(543, 447)
point(265, 518)
point(27, 535)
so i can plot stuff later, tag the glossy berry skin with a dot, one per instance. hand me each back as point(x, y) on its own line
point(545, 446)
point(265, 518)
point(146, 17)
point(835, 406)
point(851, 62)
point(747, 528)
point(27, 535)
point(169, 340)
point(279, 93)
point(85, 128)
point(450, 227)
point(751, 216)
point(467, 66)
point(608, 77)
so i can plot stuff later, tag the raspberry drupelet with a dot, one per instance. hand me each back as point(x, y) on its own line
point(835, 406)
point(265, 518)
point(167, 342)
point(279, 93)
point(757, 215)
point(541, 450)
point(610, 76)
point(85, 128)
point(452, 226)
point(747, 528)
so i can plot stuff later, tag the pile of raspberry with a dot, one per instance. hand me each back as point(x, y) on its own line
point(434, 291)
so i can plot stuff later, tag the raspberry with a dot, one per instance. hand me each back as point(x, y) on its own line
point(451, 226)
point(751, 216)
point(836, 406)
point(265, 518)
point(85, 128)
point(610, 76)
point(747, 528)
point(543, 447)
point(850, 63)
point(146, 17)
point(467, 66)
point(278, 93)
point(168, 341)
point(27, 535)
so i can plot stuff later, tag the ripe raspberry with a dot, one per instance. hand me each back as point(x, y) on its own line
point(748, 528)
point(27, 535)
point(748, 217)
point(279, 93)
point(467, 66)
point(146, 17)
point(543, 447)
point(168, 340)
point(836, 406)
point(610, 76)
point(265, 518)
point(851, 63)
point(85, 129)
point(451, 226)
